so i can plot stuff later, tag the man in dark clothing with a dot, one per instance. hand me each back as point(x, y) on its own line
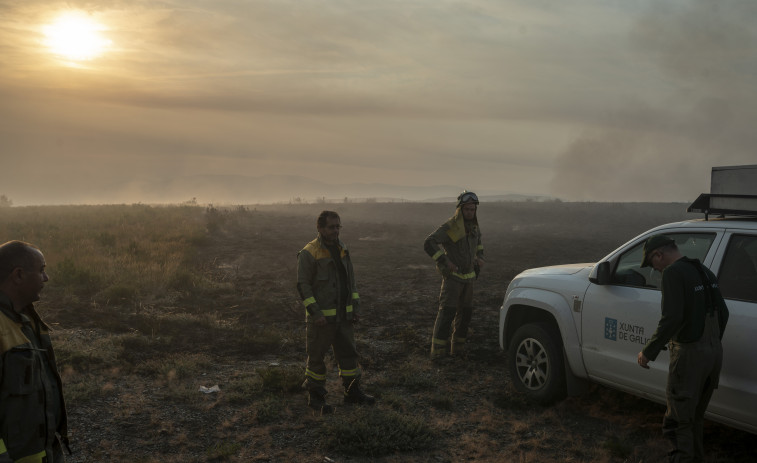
point(694, 316)
point(456, 247)
point(326, 284)
point(32, 411)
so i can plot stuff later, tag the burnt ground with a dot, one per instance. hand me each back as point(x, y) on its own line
point(466, 407)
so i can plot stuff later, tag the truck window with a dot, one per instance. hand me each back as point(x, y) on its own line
point(738, 273)
point(628, 272)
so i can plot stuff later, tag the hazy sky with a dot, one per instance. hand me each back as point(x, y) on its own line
point(581, 99)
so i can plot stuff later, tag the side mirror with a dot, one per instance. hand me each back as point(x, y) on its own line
point(602, 276)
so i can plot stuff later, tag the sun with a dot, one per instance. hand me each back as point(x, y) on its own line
point(76, 37)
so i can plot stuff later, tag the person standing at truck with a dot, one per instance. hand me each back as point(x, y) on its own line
point(456, 247)
point(694, 317)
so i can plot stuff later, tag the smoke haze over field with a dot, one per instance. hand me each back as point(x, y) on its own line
point(706, 52)
point(586, 100)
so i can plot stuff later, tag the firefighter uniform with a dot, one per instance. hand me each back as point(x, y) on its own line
point(694, 317)
point(326, 284)
point(32, 409)
point(457, 241)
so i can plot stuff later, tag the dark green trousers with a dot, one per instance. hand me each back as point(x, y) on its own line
point(339, 335)
point(453, 318)
point(692, 377)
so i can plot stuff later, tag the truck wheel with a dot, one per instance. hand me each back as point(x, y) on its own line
point(535, 363)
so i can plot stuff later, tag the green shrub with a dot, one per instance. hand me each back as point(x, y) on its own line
point(70, 273)
point(509, 399)
point(376, 432)
point(410, 338)
point(442, 401)
point(90, 248)
point(243, 390)
point(81, 389)
point(269, 410)
point(408, 376)
point(87, 350)
point(106, 239)
point(281, 378)
point(223, 450)
point(77, 359)
point(182, 280)
point(120, 292)
point(215, 219)
point(617, 447)
point(175, 367)
point(271, 339)
point(397, 402)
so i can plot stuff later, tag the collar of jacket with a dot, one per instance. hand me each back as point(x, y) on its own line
point(29, 313)
point(339, 243)
point(6, 307)
point(456, 225)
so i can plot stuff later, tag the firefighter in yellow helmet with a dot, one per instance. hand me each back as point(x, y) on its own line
point(456, 247)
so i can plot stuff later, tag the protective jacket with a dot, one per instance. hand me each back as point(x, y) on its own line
point(689, 293)
point(32, 409)
point(459, 242)
point(319, 282)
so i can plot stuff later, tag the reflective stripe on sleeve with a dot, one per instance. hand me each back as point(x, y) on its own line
point(349, 308)
point(2, 447)
point(355, 296)
point(438, 254)
point(439, 342)
point(308, 301)
point(465, 276)
point(480, 247)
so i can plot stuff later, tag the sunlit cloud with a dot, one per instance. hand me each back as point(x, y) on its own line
point(532, 97)
point(74, 36)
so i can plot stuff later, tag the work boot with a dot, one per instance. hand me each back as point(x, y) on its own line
point(317, 401)
point(438, 354)
point(457, 349)
point(354, 395)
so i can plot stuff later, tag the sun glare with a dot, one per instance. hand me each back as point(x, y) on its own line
point(76, 37)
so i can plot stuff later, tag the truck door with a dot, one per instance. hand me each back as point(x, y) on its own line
point(736, 395)
point(618, 319)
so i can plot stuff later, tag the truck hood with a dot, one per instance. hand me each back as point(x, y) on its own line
point(568, 269)
point(565, 279)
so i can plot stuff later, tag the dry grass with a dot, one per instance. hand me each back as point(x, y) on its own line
point(150, 303)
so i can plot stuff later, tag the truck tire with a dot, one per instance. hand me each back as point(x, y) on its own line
point(535, 363)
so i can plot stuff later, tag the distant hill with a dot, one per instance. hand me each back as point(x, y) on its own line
point(243, 189)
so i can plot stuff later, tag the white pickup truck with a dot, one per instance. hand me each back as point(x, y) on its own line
point(568, 324)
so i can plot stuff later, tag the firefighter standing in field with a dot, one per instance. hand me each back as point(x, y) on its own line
point(32, 411)
point(694, 316)
point(456, 247)
point(326, 283)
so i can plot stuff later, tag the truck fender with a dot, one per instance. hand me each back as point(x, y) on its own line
point(520, 304)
